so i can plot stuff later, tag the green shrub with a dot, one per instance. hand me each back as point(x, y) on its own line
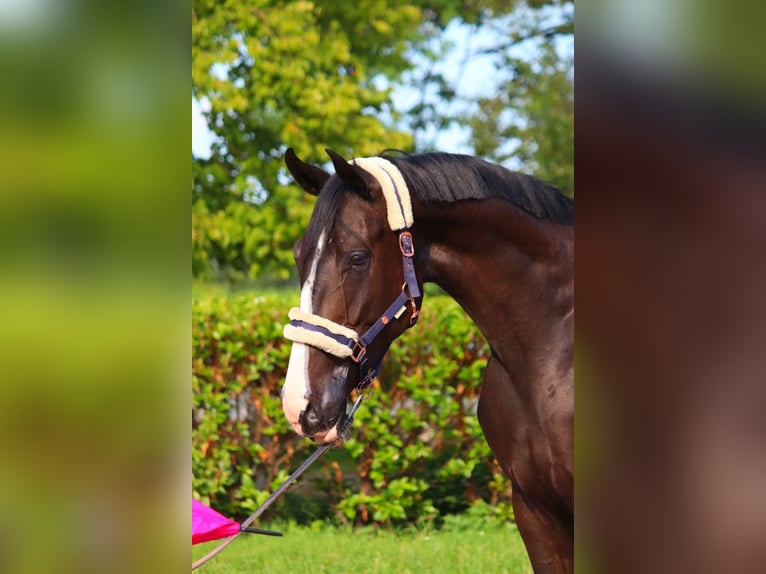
point(416, 451)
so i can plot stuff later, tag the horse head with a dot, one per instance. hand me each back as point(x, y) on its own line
point(350, 267)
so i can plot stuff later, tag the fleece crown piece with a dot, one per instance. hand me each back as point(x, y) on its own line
point(395, 191)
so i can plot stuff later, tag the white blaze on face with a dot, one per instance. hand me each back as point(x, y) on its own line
point(296, 389)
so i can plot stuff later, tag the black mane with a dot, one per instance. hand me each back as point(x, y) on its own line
point(450, 177)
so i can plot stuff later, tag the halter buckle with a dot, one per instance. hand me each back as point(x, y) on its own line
point(358, 353)
point(415, 313)
point(406, 245)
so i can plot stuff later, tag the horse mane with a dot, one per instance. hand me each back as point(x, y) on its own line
point(444, 177)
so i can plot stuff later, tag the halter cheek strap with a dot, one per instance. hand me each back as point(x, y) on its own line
point(340, 341)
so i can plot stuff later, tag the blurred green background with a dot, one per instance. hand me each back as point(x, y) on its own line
point(94, 286)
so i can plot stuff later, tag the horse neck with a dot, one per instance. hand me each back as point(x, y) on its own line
point(512, 273)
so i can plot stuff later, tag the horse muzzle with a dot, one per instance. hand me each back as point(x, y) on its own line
point(314, 426)
point(306, 422)
point(314, 410)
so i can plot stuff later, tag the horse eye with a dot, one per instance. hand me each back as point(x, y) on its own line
point(358, 259)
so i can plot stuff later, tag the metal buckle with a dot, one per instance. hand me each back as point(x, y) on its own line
point(406, 245)
point(358, 353)
point(415, 313)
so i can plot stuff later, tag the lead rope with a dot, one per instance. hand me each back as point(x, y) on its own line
point(342, 434)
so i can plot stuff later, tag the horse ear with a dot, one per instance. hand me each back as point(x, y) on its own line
point(309, 177)
point(361, 182)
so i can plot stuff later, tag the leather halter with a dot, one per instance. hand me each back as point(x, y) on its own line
point(339, 340)
point(319, 332)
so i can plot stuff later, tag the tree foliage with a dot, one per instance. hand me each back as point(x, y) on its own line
point(523, 115)
point(531, 119)
point(278, 74)
point(309, 75)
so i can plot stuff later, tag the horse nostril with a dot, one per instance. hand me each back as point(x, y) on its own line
point(309, 419)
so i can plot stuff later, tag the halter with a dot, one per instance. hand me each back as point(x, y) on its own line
point(340, 341)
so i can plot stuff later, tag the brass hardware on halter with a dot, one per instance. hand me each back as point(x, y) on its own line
point(415, 313)
point(358, 353)
point(406, 245)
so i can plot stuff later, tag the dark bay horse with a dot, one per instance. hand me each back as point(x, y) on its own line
point(500, 243)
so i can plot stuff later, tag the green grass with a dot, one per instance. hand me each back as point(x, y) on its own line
point(318, 550)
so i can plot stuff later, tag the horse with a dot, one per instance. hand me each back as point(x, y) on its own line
point(501, 244)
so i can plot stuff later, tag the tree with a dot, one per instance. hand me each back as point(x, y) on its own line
point(279, 74)
point(524, 118)
point(531, 119)
point(309, 75)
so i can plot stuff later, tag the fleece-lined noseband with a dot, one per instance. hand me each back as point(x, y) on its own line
point(338, 340)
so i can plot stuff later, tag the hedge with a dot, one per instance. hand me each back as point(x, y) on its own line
point(416, 451)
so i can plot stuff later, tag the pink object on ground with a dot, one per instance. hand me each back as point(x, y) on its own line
point(207, 524)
